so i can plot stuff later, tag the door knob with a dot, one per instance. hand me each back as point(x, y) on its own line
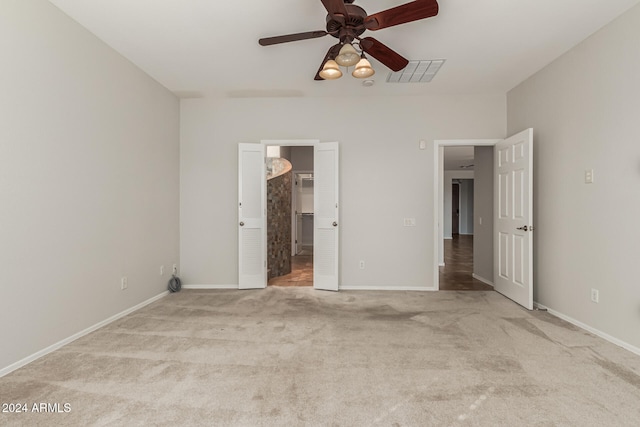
point(241, 223)
point(525, 228)
point(335, 224)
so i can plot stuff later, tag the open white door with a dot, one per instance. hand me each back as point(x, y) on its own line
point(252, 218)
point(326, 230)
point(513, 213)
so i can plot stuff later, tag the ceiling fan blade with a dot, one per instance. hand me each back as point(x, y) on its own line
point(409, 12)
point(292, 37)
point(331, 54)
point(336, 9)
point(383, 53)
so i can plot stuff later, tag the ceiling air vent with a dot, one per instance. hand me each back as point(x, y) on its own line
point(417, 72)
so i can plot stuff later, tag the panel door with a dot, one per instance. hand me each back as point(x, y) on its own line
point(252, 218)
point(513, 218)
point(326, 230)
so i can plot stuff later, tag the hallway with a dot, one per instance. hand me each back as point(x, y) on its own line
point(456, 275)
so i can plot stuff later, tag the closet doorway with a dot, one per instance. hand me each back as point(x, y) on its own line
point(254, 245)
point(301, 212)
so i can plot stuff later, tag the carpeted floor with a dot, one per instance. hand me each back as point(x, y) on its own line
point(298, 357)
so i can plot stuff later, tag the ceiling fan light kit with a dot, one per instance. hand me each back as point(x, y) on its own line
point(363, 69)
point(348, 56)
point(346, 22)
point(330, 70)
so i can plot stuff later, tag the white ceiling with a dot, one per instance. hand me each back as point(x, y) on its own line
point(207, 47)
point(458, 158)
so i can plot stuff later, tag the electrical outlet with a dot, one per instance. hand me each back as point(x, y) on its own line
point(124, 283)
point(361, 265)
point(175, 269)
point(595, 295)
point(588, 176)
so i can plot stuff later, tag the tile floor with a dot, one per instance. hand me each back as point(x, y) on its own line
point(301, 272)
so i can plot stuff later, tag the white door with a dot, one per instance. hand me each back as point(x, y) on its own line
point(326, 218)
point(252, 218)
point(513, 207)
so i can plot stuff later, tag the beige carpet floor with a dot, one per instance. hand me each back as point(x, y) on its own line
point(299, 357)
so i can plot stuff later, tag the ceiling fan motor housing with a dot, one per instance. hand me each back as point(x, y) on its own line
point(352, 27)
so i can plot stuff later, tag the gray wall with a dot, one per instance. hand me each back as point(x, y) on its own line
point(384, 176)
point(584, 110)
point(483, 209)
point(466, 206)
point(302, 158)
point(88, 180)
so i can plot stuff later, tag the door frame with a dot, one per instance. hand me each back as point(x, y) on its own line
point(438, 195)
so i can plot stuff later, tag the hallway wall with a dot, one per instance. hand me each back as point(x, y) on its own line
point(483, 211)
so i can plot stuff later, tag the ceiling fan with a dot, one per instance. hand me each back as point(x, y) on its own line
point(346, 22)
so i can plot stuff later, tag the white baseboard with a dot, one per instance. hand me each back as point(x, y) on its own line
point(482, 279)
point(385, 288)
point(441, 264)
point(209, 286)
point(341, 287)
point(588, 328)
point(53, 347)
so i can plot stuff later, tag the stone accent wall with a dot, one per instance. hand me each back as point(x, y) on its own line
point(279, 225)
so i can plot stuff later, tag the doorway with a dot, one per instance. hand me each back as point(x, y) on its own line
point(510, 218)
point(301, 213)
point(252, 213)
point(457, 271)
point(464, 214)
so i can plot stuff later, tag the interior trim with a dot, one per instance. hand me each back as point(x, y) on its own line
point(205, 286)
